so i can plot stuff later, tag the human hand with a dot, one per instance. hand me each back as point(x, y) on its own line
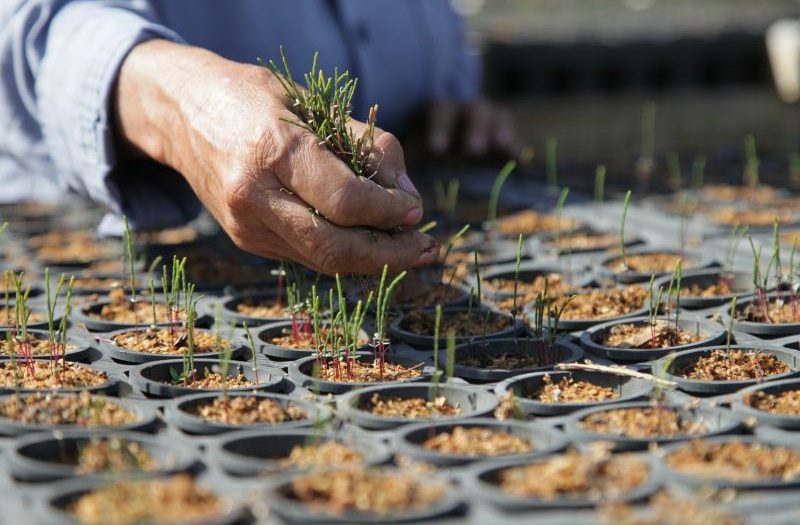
point(228, 129)
point(477, 128)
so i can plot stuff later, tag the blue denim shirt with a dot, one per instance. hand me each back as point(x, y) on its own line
point(59, 60)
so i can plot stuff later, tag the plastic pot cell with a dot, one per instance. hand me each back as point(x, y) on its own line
point(713, 333)
point(770, 329)
point(691, 260)
point(709, 421)
point(562, 247)
point(473, 361)
point(260, 452)
point(78, 347)
point(399, 328)
point(302, 373)
point(471, 402)
point(670, 369)
point(574, 325)
point(53, 456)
point(743, 404)
point(108, 387)
point(229, 308)
point(527, 274)
point(526, 387)
point(410, 440)
point(159, 379)
point(126, 355)
point(182, 412)
point(87, 315)
point(740, 283)
point(264, 335)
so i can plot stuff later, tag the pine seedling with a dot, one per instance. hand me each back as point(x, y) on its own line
point(383, 300)
point(674, 176)
point(62, 329)
point(562, 198)
point(751, 163)
point(653, 306)
point(516, 278)
point(253, 349)
point(792, 275)
point(729, 333)
point(624, 217)
point(759, 285)
point(51, 310)
point(452, 196)
point(776, 256)
point(494, 196)
point(678, 276)
point(130, 252)
point(685, 220)
point(554, 318)
point(480, 298)
point(224, 369)
point(191, 319)
point(450, 362)
point(698, 171)
point(599, 184)
point(551, 162)
point(428, 226)
point(450, 243)
point(324, 108)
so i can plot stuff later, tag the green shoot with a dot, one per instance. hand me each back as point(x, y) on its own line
point(559, 211)
point(480, 299)
point(698, 171)
point(437, 321)
point(674, 176)
point(253, 348)
point(427, 227)
point(551, 162)
point(384, 299)
point(494, 196)
point(599, 184)
point(450, 243)
point(751, 163)
point(624, 217)
point(514, 310)
point(730, 325)
point(450, 362)
point(324, 108)
point(452, 196)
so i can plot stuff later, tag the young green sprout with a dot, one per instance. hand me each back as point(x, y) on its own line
point(437, 321)
point(751, 164)
point(674, 176)
point(599, 184)
point(494, 196)
point(654, 304)
point(130, 252)
point(698, 171)
point(450, 359)
point(514, 310)
point(624, 217)
point(730, 325)
point(450, 243)
point(551, 162)
point(427, 227)
point(383, 301)
point(646, 162)
point(562, 198)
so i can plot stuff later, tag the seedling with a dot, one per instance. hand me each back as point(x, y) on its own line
point(792, 274)
point(761, 284)
point(624, 217)
point(494, 196)
point(171, 288)
point(480, 298)
point(751, 163)
point(152, 284)
point(698, 171)
point(730, 325)
point(383, 300)
point(514, 310)
point(794, 168)
point(427, 227)
point(51, 309)
point(551, 162)
point(674, 176)
point(324, 108)
point(437, 320)
point(685, 220)
point(450, 363)
point(646, 162)
point(559, 212)
point(130, 253)
point(654, 304)
point(599, 184)
point(253, 349)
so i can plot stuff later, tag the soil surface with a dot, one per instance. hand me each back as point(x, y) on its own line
point(412, 407)
point(8, 316)
point(735, 460)
point(584, 241)
point(36, 346)
point(83, 410)
point(567, 390)
point(166, 341)
point(721, 287)
point(786, 403)
point(120, 309)
point(305, 340)
point(528, 222)
point(575, 475)
point(322, 454)
point(641, 336)
point(779, 312)
point(666, 509)
point(440, 294)
point(641, 423)
point(44, 375)
point(366, 491)
point(603, 303)
point(367, 371)
point(213, 380)
point(462, 323)
point(650, 263)
point(556, 285)
point(113, 455)
point(734, 365)
point(262, 307)
point(477, 441)
point(159, 501)
point(248, 410)
point(504, 361)
point(756, 218)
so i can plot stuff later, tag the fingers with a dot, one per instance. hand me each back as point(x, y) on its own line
point(503, 138)
point(326, 183)
point(332, 249)
point(479, 127)
point(443, 118)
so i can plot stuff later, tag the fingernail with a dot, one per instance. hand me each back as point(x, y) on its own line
point(427, 257)
point(413, 216)
point(406, 185)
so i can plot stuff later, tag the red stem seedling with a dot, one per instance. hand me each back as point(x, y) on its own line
point(383, 300)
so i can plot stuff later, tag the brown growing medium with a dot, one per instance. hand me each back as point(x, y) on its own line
point(785, 403)
point(575, 475)
point(567, 390)
point(44, 375)
point(259, 307)
point(110, 266)
point(325, 453)
point(411, 407)
point(647, 422)
point(170, 236)
point(83, 410)
point(213, 380)
point(753, 218)
point(642, 336)
point(160, 341)
point(528, 222)
point(8, 316)
point(440, 294)
point(367, 371)
point(477, 441)
point(120, 309)
point(248, 410)
point(158, 501)
point(113, 455)
point(721, 287)
point(36, 345)
point(509, 360)
point(584, 241)
point(556, 285)
point(666, 509)
point(779, 312)
point(366, 491)
point(761, 194)
point(736, 460)
point(211, 271)
point(649, 263)
point(305, 340)
point(603, 303)
point(104, 283)
point(74, 252)
point(463, 323)
point(734, 365)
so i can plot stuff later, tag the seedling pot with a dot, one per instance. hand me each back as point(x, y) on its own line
point(81, 315)
point(714, 332)
point(482, 482)
point(230, 313)
point(565, 352)
point(717, 421)
point(764, 329)
point(155, 379)
point(699, 260)
point(527, 274)
point(474, 402)
point(746, 410)
point(145, 419)
point(295, 511)
point(119, 353)
point(547, 241)
point(662, 368)
point(80, 352)
point(109, 387)
point(284, 353)
point(627, 388)
point(574, 325)
point(301, 373)
point(39, 457)
point(740, 282)
point(259, 452)
point(178, 412)
point(399, 329)
point(544, 439)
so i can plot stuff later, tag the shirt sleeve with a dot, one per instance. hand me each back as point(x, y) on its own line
point(63, 58)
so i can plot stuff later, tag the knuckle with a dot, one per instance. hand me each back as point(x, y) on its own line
point(343, 205)
point(331, 255)
point(388, 143)
point(238, 194)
